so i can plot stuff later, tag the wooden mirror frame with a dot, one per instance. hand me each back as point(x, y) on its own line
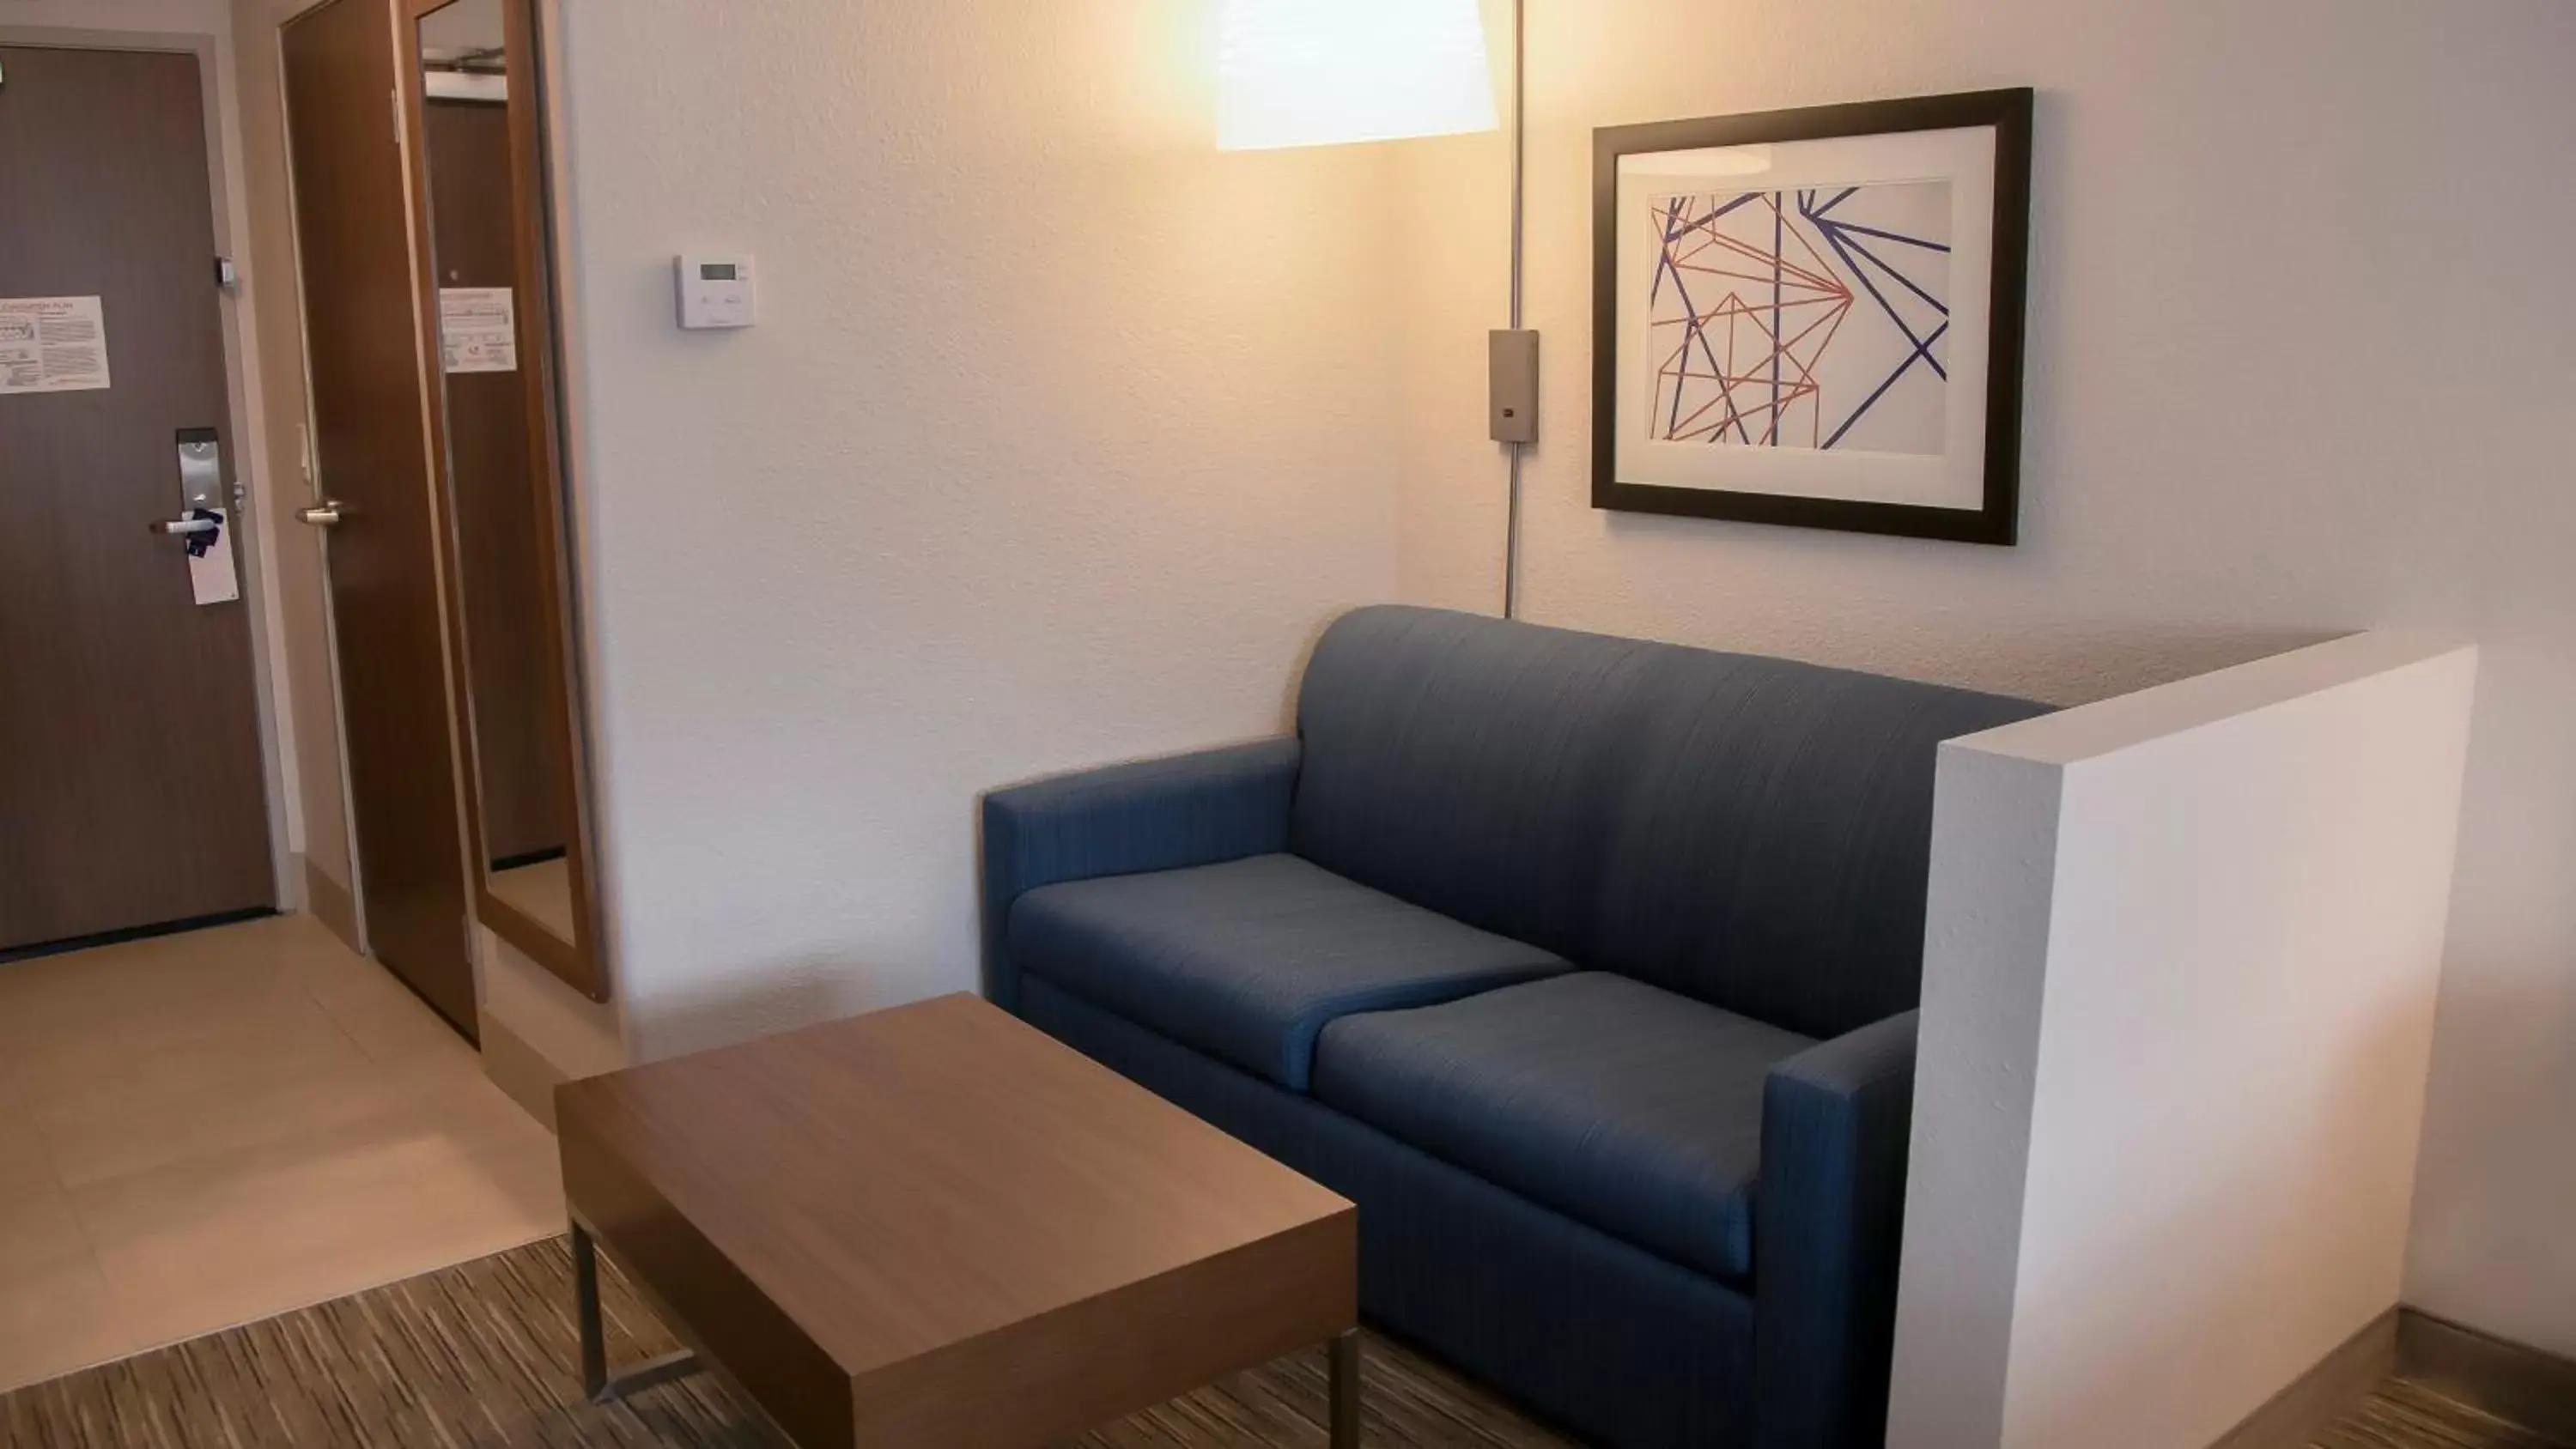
point(579, 963)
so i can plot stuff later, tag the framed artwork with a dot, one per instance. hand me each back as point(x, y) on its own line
point(1814, 317)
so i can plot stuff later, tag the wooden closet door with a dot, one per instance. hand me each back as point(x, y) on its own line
point(370, 446)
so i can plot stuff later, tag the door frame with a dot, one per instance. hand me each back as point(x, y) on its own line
point(245, 429)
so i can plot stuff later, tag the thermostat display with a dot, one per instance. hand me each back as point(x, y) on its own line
point(716, 292)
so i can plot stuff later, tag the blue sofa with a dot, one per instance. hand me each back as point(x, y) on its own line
point(1584, 965)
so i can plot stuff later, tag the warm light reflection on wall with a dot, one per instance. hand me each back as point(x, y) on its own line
point(1327, 72)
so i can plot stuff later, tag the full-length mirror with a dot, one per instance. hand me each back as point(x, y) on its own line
point(481, 179)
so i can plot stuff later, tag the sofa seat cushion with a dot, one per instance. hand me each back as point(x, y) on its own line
point(1618, 1104)
point(1247, 961)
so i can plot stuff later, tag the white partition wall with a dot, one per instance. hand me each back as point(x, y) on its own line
point(2179, 973)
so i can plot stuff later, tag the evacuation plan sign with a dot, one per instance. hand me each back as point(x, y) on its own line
point(52, 344)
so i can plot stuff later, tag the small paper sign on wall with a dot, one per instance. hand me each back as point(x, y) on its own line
point(52, 344)
point(478, 329)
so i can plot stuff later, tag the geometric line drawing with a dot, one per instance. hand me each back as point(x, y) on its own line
point(1810, 318)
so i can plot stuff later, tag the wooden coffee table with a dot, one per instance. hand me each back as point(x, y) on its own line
point(936, 1226)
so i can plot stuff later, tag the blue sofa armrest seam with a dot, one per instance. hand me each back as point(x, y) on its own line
point(1830, 1209)
point(1164, 814)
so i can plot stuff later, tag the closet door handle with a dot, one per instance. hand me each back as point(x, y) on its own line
point(325, 514)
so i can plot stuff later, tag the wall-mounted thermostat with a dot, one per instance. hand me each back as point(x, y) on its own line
point(716, 292)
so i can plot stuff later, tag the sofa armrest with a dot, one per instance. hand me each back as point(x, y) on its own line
point(1830, 1212)
point(1195, 809)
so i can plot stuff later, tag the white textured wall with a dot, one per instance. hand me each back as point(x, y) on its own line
point(2300, 363)
point(2181, 958)
point(1061, 437)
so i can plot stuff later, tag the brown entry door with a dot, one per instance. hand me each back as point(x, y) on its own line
point(371, 458)
point(131, 789)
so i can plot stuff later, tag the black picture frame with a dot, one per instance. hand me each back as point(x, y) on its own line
point(2009, 113)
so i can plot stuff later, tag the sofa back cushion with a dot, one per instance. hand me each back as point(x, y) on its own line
point(1467, 766)
point(1754, 833)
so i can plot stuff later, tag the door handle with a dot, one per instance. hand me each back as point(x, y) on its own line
point(179, 526)
point(325, 514)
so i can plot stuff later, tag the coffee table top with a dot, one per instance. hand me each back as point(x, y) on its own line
point(903, 1183)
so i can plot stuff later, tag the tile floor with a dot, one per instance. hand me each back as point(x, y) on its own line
point(201, 1130)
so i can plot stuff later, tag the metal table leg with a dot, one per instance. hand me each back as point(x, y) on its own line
point(596, 1384)
point(1345, 1353)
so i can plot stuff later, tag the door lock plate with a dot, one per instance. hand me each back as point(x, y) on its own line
point(201, 468)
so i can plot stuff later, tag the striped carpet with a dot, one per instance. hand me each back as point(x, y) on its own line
point(2405, 1415)
point(484, 1354)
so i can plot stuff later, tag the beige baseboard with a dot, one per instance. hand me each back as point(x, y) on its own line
point(2518, 1384)
point(2329, 1389)
point(331, 904)
point(520, 1071)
